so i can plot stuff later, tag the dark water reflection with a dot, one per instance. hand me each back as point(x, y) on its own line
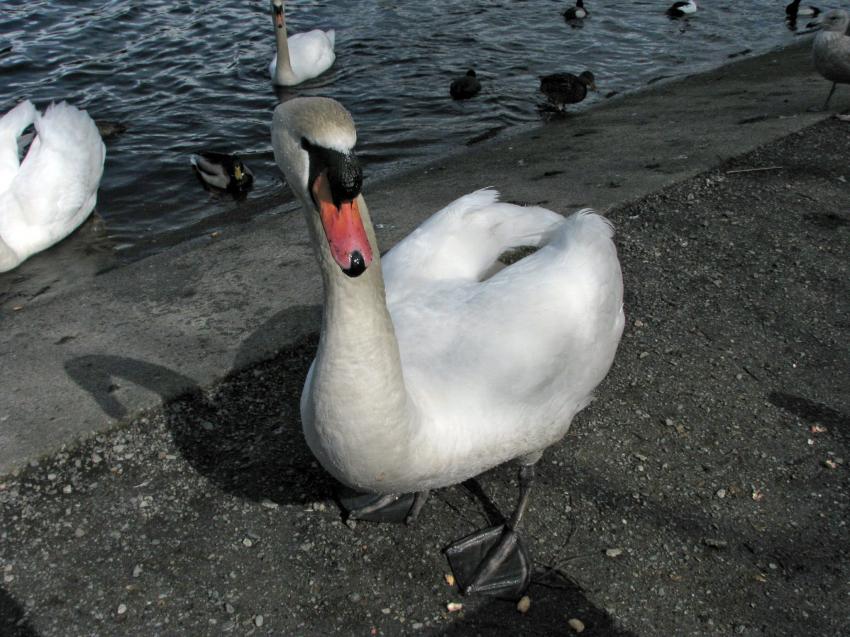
point(192, 75)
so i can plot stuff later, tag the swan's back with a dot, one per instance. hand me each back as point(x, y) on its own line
point(505, 363)
point(55, 188)
point(311, 53)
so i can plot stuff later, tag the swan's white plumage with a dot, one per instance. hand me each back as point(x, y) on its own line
point(498, 368)
point(310, 55)
point(434, 365)
point(54, 188)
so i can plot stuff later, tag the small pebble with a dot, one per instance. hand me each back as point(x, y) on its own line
point(386, 611)
point(720, 493)
point(229, 608)
point(67, 489)
point(450, 579)
point(122, 608)
point(714, 543)
point(417, 625)
point(524, 604)
point(247, 542)
point(576, 624)
point(453, 607)
point(137, 570)
point(258, 621)
point(613, 552)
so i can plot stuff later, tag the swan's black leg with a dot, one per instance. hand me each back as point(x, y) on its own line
point(494, 561)
point(384, 508)
point(419, 500)
point(829, 97)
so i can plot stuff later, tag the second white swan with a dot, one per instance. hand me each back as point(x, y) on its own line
point(302, 56)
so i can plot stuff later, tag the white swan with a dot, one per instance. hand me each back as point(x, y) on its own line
point(302, 56)
point(434, 365)
point(51, 192)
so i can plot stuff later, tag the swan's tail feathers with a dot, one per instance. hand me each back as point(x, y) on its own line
point(331, 37)
point(16, 120)
point(65, 125)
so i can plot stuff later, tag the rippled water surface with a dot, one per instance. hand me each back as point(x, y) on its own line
point(186, 75)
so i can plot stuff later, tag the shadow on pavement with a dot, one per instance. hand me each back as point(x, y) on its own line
point(556, 600)
point(12, 622)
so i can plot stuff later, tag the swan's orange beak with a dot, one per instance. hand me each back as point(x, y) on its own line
point(344, 229)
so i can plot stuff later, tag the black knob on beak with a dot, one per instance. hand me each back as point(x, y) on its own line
point(358, 265)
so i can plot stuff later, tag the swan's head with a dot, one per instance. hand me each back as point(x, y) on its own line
point(836, 20)
point(277, 13)
point(313, 140)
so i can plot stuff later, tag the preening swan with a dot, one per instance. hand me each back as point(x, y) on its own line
point(50, 193)
point(433, 367)
point(302, 56)
point(831, 49)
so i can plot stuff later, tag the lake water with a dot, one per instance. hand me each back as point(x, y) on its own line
point(186, 75)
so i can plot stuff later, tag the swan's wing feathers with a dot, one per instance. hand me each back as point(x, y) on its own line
point(552, 318)
point(464, 240)
point(60, 175)
point(311, 53)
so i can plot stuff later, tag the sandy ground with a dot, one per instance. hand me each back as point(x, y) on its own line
point(705, 492)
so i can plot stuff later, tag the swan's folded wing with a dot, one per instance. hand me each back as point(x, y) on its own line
point(464, 240)
point(60, 175)
point(542, 331)
point(311, 53)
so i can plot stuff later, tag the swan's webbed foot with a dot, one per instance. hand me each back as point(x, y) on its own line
point(384, 508)
point(491, 562)
point(494, 561)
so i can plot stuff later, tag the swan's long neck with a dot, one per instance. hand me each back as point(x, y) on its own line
point(357, 385)
point(283, 69)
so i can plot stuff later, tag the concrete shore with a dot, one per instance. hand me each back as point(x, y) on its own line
point(82, 361)
point(713, 465)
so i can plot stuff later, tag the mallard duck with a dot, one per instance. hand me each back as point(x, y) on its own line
point(45, 197)
point(679, 9)
point(465, 86)
point(831, 49)
point(434, 363)
point(222, 171)
point(302, 56)
point(577, 12)
point(565, 88)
